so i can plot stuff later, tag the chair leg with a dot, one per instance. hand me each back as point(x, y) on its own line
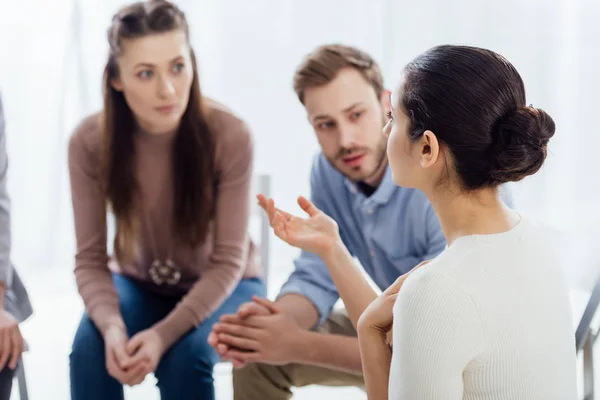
point(588, 367)
point(22, 381)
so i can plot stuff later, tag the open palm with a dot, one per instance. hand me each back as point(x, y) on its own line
point(316, 234)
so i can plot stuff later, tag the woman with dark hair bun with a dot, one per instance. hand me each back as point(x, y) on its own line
point(490, 317)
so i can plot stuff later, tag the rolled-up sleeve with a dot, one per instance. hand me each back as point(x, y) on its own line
point(312, 280)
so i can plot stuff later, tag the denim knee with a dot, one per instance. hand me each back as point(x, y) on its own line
point(191, 354)
point(88, 346)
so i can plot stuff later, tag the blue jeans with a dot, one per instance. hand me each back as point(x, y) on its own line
point(184, 372)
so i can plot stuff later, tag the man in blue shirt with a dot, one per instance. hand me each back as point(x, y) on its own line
point(299, 340)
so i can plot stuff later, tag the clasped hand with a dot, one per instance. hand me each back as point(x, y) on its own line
point(130, 360)
point(259, 332)
point(11, 340)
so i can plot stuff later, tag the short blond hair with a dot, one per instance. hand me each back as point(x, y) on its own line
point(322, 65)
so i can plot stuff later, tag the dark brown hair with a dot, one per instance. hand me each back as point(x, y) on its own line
point(323, 64)
point(473, 100)
point(193, 147)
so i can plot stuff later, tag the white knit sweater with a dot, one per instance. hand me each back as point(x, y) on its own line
point(489, 319)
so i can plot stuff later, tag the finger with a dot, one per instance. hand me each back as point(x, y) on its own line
point(139, 357)
point(239, 331)
point(396, 285)
point(5, 349)
point(240, 343)
point(252, 321)
point(17, 348)
point(237, 363)
point(116, 373)
point(307, 206)
point(134, 344)
point(274, 210)
point(137, 374)
point(245, 356)
point(212, 339)
point(252, 308)
point(232, 319)
point(390, 336)
point(268, 304)
point(262, 201)
point(271, 210)
point(120, 356)
point(278, 225)
point(113, 368)
point(222, 349)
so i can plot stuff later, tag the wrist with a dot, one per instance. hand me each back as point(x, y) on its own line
point(336, 251)
point(159, 339)
point(302, 347)
point(369, 333)
point(115, 327)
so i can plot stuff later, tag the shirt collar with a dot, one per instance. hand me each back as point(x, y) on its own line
point(383, 193)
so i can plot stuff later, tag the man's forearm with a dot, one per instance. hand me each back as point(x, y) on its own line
point(300, 308)
point(330, 351)
point(325, 350)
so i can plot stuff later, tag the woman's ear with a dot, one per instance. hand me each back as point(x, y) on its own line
point(116, 84)
point(430, 149)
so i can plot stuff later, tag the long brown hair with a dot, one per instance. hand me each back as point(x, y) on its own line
point(193, 147)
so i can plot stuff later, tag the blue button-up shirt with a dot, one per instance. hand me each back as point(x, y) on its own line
point(389, 232)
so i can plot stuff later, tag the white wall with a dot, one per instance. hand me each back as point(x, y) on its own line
point(53, 54)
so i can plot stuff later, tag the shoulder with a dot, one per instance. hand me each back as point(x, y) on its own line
point(431, 291)
point(226, 126)
point(87, 136)
point(233, 139)
point(445, 273)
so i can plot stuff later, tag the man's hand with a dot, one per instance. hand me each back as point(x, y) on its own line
point(260, 338)
point(11, 340)
point(244, 311)
point(118, 362)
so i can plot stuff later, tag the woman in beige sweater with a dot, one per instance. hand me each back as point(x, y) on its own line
point(175, 170)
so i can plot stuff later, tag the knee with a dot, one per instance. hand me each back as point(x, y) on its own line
point(88, 345)
point(244, 377)
point(259, 376)
point(192, 357)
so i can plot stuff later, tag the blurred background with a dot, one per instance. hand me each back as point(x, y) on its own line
point(52, 54)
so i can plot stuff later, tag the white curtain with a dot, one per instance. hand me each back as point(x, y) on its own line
point(53, 54)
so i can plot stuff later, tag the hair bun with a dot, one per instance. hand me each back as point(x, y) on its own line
point(520, 144)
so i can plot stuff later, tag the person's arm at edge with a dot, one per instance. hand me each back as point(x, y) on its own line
point(5, 228)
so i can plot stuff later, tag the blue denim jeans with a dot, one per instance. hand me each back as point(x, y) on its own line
point(185, 370)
